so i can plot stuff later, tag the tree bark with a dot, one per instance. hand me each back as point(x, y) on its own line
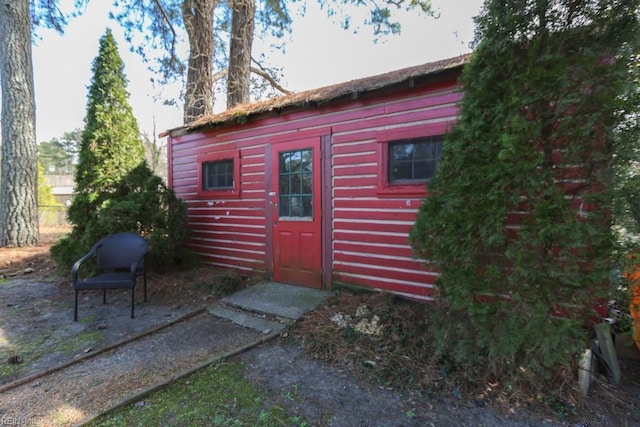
point(18, 179)
point(198, 21)
point(242, 26)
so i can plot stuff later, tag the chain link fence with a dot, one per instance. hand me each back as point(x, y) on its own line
point(53, 221)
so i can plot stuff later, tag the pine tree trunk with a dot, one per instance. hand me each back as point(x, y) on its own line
point(198, 21)
point(242, 26)
point(18, 180)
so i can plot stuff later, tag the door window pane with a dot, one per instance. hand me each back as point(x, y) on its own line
point(296, 183)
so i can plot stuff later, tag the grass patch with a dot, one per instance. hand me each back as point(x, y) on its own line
point(79, 342)
point(26, 349)
point(88, 319)
point(216, 396)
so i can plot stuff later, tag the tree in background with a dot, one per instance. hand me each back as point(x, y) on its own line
point(115, 189)
point(166, 20)
point(518, 214)
point(197, 17)
point(45, 190)
point(58, 156)
point(18, 181)
point(155, 153)
point(240, 44)
point(161, 22)
point(18, 199)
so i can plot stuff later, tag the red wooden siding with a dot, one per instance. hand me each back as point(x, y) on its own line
point(370, 231)
point(367, 244)
point(365, 220)
point(225, 232)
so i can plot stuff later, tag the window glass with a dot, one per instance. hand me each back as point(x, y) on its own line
point(414, 160)
point(217, 175)
point(295, 182)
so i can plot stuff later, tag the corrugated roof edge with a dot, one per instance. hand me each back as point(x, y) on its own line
point(242, 113)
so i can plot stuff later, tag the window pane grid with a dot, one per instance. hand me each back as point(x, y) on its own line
point(295, 184)
point(414, 160)
point(217, 175)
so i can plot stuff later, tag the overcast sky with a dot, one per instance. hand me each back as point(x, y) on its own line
point(318, 53)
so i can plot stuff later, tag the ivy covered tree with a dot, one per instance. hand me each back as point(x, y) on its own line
point(518, 215)
point(115, 189)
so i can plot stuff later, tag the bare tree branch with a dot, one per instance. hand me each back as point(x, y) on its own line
point(220, 74)
point(166, 19)
point(260, 72)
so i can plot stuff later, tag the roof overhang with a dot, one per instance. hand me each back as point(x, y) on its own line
point(354, 89)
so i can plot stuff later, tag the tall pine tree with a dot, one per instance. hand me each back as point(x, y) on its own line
point(111, 146)
point(115, 189)
point(18, 177)
point(518, 217)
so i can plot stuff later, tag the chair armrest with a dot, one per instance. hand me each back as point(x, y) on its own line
point(78, 263)
point(134, 265)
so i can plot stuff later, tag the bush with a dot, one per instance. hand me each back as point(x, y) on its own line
point(141, 203)
point(116, 190)
point(518, 217)
point(66, 251)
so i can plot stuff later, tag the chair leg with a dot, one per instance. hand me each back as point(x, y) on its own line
point(75, 309)
point(133, 301)
point(104, 296)
point(144, 279)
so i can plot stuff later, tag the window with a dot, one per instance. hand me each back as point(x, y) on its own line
point(219, 175)
point(413, 161)
point(408, 157)
point(296, 183)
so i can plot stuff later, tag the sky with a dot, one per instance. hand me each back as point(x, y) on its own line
point(318, 53)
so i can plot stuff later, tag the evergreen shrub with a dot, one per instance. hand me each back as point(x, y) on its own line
point(115, 189)
point(518, 216)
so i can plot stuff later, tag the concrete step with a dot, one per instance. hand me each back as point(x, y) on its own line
point(268, 306)
point(247, 319)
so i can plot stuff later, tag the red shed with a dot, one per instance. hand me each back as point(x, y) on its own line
point(320, 187)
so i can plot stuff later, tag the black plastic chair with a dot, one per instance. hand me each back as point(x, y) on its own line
point(120, 260)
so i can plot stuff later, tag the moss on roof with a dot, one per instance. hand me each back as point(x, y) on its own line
point(243, 112)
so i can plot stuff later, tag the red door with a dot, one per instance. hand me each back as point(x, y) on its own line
point(297, 243)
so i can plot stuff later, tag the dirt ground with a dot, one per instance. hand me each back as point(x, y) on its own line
point(328, 381)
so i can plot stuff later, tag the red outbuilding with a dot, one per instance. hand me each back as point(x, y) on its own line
point(320, 187)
